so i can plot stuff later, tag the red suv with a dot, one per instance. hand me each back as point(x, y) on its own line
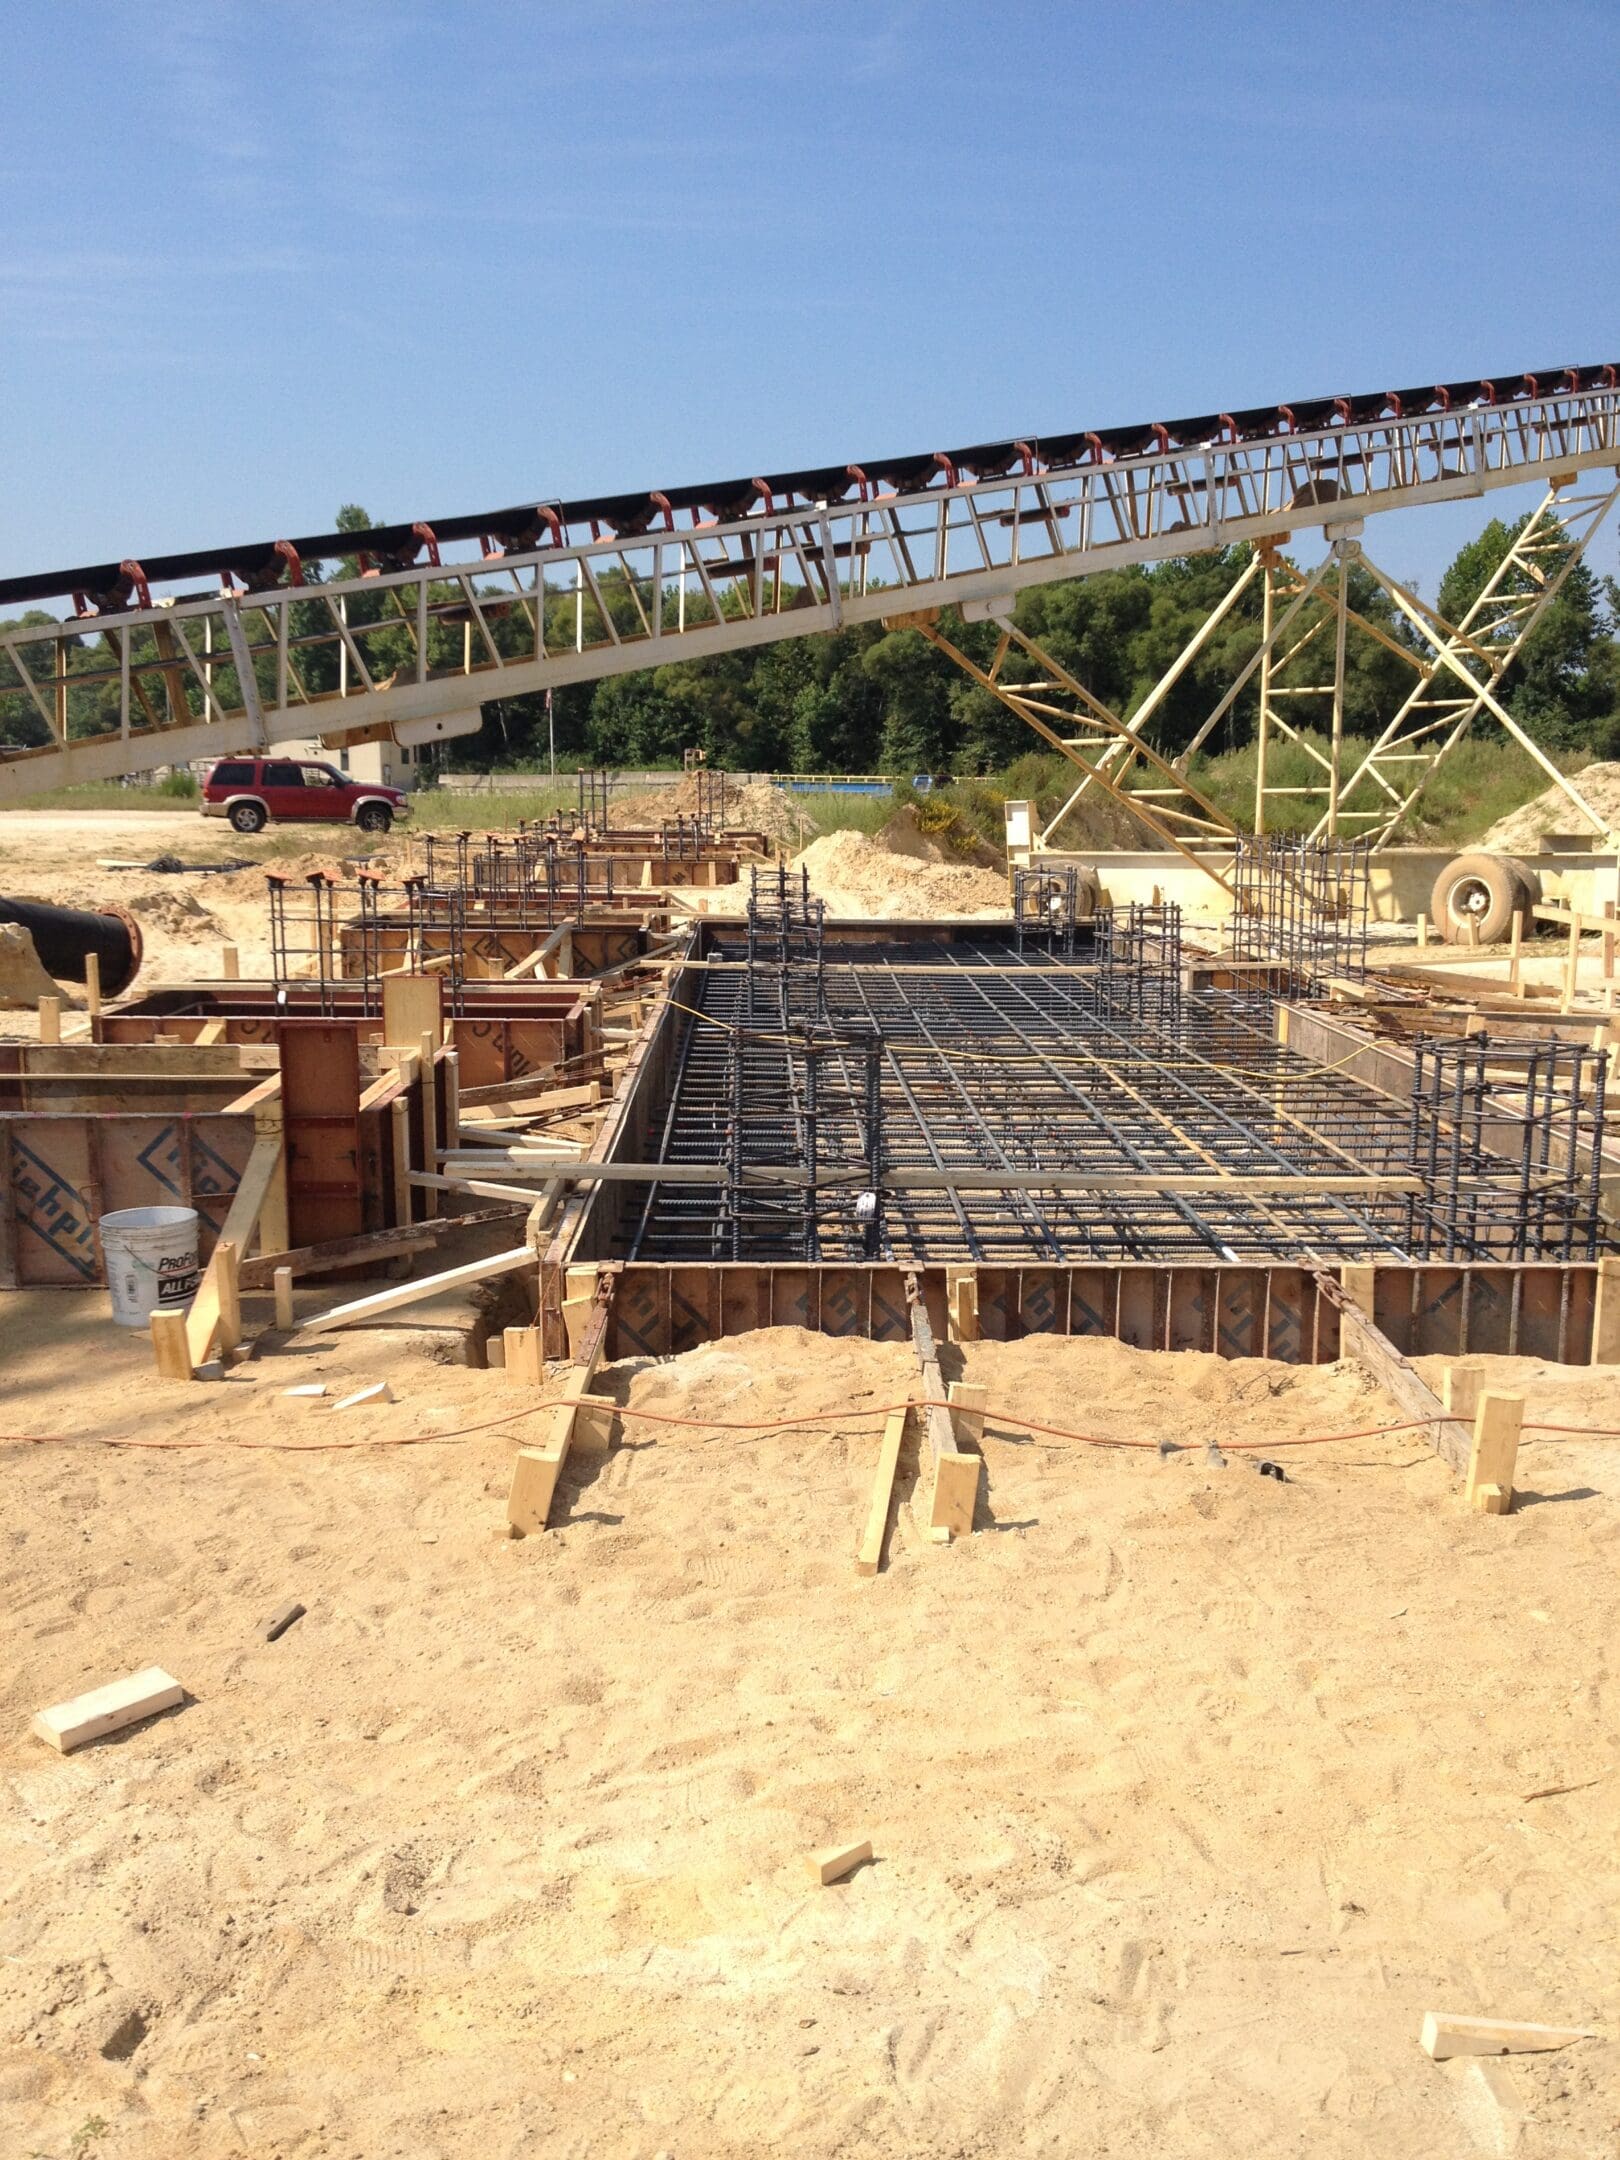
point(252, 791)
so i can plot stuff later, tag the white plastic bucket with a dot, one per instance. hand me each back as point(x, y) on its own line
point(151, 1256)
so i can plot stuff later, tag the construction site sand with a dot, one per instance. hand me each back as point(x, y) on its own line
point(1598, 784)
point(750, 806)
point(860, 876)
point(1189, 1792)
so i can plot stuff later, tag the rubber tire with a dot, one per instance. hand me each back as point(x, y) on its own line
point(1487, 890)
point(249, 817)
point(374, 817)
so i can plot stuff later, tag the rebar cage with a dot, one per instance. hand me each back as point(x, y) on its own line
point(1303, 903)
point(1508, 1139)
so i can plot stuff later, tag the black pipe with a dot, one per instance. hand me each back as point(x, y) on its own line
point(63, 937)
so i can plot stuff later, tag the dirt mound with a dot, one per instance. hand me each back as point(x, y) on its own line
point(860, 876)
point(926, 834)
point(751, 806)
point(1598, 784)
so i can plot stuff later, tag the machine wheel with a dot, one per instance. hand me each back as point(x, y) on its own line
point(248, 816)
point(1485, 890)
point(374, 817)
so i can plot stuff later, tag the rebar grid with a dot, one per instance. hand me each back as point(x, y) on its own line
point(987, 1060)
point(1508, 1138)
point(1302, 903)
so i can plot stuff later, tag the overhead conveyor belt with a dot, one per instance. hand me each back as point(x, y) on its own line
point(451, 612)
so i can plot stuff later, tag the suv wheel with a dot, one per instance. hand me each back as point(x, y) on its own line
point(248, 816)
point(374, 817)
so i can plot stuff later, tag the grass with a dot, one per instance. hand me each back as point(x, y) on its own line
point(1480, 782)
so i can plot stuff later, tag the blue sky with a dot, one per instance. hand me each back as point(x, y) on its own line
point(437, 255)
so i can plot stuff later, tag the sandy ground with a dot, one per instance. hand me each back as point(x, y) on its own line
point(859, 876)
point(1190, 1791)
point(55, 855)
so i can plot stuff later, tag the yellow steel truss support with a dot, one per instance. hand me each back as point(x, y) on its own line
point(1101, 733)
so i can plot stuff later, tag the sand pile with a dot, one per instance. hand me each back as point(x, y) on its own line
point(857, 875)
point(751, 806)
point(1522, 829)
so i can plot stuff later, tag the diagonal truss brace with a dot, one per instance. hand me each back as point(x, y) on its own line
point(1460, 668)
point(1202, 824)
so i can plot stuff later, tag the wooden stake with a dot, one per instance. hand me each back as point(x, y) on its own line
point(1423, 930)
point(524, 1363)
point(230, 965)
point(1459, 1391)
point(92, 984)
point(1515, 948)
point(1606, 1313)
point(169, 1345)
point(967, 1411)
point(1495, 1452)
point(226, 1257)
point(50, 1019)
point(962, 1294)
point(430, 1116)
point(282, 1280)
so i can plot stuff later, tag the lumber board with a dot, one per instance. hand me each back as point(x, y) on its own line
point(834, 1862)
point(203, 1320)
point(69, 1725)
point(1445, 2034)
point(869, 1558)
point(413, 1293)
point(413, 1006)
point(953, 1477)
point(350, 1252)
point(539, 1465)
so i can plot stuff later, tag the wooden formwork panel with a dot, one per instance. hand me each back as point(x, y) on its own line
point(1234, 1310)
point(60, 1172)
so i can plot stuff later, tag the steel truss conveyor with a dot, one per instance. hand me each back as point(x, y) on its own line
point(447, 615)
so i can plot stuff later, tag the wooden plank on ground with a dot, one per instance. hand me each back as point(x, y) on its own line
point(69, 1725)
point(1445, 2035)
point(870, 1556)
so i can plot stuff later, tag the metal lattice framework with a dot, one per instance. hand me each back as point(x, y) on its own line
point(415, 650)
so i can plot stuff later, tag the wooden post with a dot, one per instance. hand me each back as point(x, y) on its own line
point(525, 1364)
point(1495, 1452)
point(275, 1220)
point(50, 1019)
point(1459, 1391)
point(1572, 962)
point(1515, 949)
point(962, 1294)
point(169, 1345)
point(1608, 941)
point(230, 965)
point(1422, 930)
point(92, 984)
point(401, 1115)
point(282, 1280)
point(228, 1261)
point(450, 1079)
point(430, 1120)
point(967, 1403)
point(1606, 1313)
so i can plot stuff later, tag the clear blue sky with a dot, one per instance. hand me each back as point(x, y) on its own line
point(437, 255)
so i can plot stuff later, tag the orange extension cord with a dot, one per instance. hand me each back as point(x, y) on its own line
point(767, 1425)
